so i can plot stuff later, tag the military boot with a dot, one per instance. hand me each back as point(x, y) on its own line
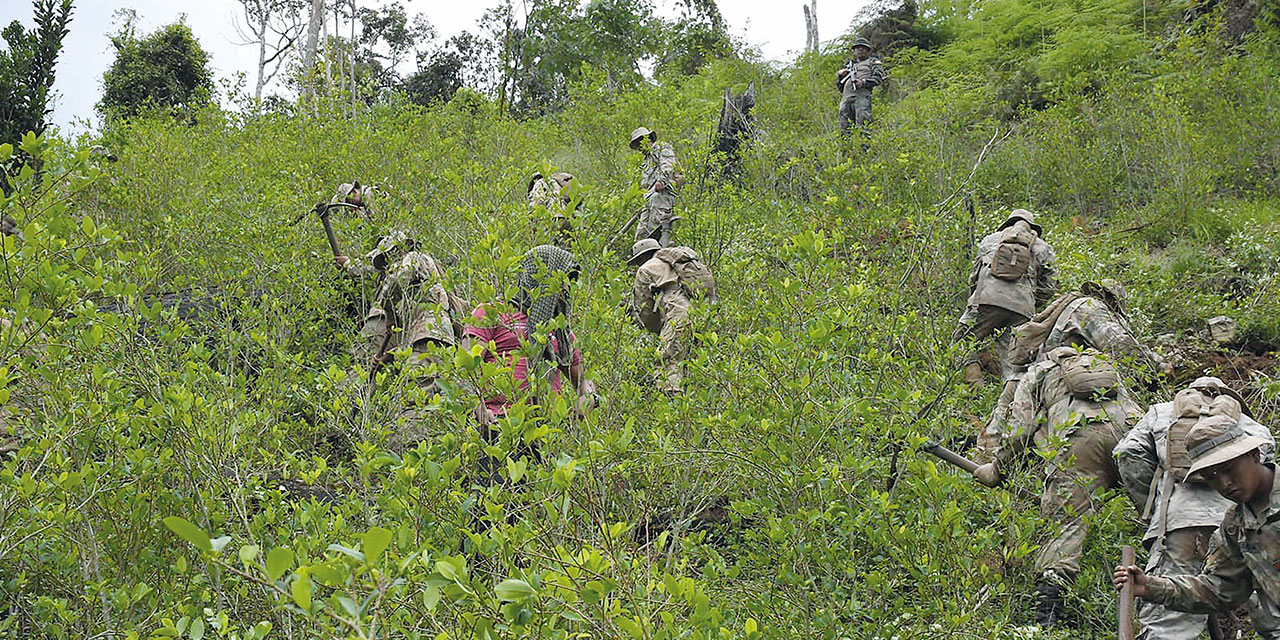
point(973, 375)
point(671, 379)
point(1050, 607)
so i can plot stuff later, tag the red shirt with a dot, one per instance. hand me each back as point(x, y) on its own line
point(506, 335)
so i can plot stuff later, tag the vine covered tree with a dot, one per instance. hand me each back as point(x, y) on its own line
point(166, 68)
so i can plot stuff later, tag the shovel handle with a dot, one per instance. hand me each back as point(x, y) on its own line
point(1125, 613)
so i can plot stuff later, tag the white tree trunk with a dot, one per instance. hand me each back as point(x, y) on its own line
point(313, 40)
point(811, 24)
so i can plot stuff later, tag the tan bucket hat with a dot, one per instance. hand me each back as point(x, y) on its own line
point(1022, 214)
point(641, 250)
point(641, 132)
point(1217, 386)
point(1217, 439)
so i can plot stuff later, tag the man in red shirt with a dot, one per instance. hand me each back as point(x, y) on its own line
point(546, 273)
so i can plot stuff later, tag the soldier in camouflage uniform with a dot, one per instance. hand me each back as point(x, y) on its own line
point(660, 176)
point(997, 304)
point(412, 308)
point(855, 82)
point(1182, 513)
point(662, 304)
point(1244, 553)
point(1093, 317)
point(553, 194)
point(1073, 397)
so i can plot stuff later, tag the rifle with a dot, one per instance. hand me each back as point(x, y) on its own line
point(1125, 612)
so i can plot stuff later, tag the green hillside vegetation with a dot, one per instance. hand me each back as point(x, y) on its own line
point(227, 477)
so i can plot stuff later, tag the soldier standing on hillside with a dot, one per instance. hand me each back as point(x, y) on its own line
point(1074, 397)
point(1012, 275)
point(665, 281)
point(553, 195)
point(660, 177)
point(854, 82)
point(1182, 512)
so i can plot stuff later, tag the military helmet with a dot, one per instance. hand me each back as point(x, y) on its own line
point(641, 249)
point(641, 132)
point(862, 42)
point(1025, 216)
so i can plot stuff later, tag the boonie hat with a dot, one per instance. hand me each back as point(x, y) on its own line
point(641, 132)
point(1024, 215)
point(1217, 439)
point(862, 42)
point(641, 248)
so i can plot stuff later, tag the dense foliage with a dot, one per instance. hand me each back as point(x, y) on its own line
point(166, 68)
point(27, 72)
point(226, 475)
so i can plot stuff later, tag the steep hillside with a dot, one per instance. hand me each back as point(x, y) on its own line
point(755, 505)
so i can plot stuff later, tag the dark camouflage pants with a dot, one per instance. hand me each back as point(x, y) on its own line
point(855, 110)
point(1076, 475)
point(980, 322)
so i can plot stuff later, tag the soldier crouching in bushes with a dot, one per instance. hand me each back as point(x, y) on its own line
point(1074, 399)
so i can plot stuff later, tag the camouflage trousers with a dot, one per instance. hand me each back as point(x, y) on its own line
point(655, 221)
point(980, 322)
point(854, 110)
point(676, 339)
point(1082, 469)
point(1184, 553)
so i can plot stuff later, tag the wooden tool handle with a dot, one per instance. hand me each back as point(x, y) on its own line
point(1127, 558)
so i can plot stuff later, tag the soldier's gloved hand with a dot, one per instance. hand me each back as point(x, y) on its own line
point(659, 186)
point(988, 475)
point(341, 261)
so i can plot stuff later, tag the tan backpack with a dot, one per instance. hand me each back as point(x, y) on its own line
point(1012, 258)
point(695, 276)
point(1191, 406)
point(1088, 375)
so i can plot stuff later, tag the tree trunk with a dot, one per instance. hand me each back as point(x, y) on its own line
point(808, 29)
point(262, 59)
point(352, 66)
point(313, 39)
point(811, 25)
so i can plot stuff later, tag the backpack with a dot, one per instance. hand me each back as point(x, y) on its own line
point(1029, 337)
point(695, 276)
point(1012, 258)
point(1087, 375)
point(1191, 406)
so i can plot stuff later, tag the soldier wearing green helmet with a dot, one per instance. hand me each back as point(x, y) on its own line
point(855, 81)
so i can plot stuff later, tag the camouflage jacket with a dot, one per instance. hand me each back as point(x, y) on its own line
point(412, 302)
point(1035, 288)
point(546, 192)
point(1244, 556)
point(654, 279)
point(1142, 455)
point(1089, 321)
point(660, 165)
point(870, 72)
point(1043, 411)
